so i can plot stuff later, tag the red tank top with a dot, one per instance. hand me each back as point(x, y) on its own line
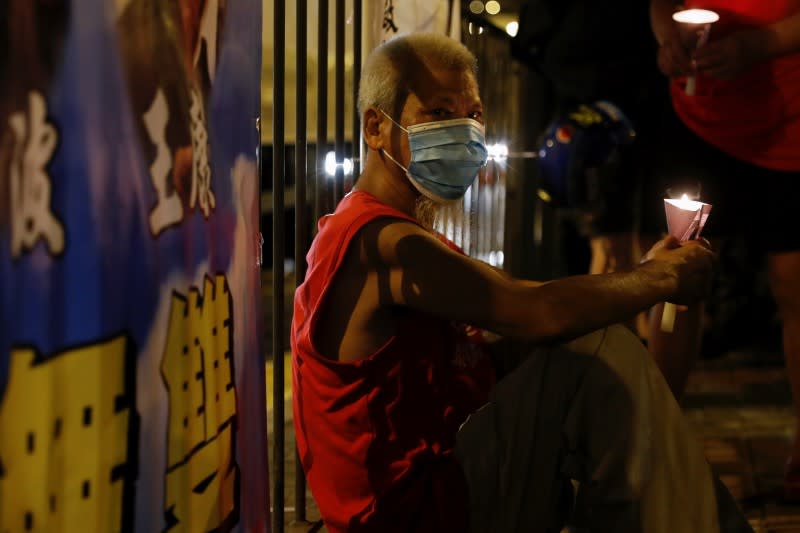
point(376, 436)
point(756, 116)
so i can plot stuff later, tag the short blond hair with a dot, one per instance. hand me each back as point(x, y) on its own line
point(386, 72)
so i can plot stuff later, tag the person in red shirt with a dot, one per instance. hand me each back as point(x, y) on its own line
point(401, 424)
point(738, 135)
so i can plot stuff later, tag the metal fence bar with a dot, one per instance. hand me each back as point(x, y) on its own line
point(472, 216)
point(300, 212)
point(321, 190)
point(339, 102)
point(357, 144)
point(278, 156)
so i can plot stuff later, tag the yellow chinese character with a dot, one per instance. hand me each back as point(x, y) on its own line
point(64, 432)
point(198, 368)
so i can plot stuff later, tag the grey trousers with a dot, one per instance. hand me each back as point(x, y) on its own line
point(588, 435)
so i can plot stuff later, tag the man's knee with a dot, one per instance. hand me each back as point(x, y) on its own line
point(616, 344)
point(619, 396)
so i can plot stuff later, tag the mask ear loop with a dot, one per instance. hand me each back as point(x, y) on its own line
point(393, 121)
point(383, 151)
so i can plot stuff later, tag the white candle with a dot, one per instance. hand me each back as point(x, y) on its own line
point(668, 317)
point(696, 17)
point(682, 233)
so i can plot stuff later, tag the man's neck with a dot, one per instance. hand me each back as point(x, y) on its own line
point(389, 187)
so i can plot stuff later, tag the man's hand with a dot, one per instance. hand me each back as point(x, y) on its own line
point(690, 263)
point(673, 60)
point(673, 55)
point(726, 58)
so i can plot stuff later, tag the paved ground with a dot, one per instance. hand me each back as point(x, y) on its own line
point(740, 407)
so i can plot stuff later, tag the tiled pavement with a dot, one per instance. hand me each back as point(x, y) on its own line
point(740, 407)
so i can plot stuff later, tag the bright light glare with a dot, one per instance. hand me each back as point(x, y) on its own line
point(493, 7)
point(512, 28)
point(695, 16)
point(330, 165)
point(544, 195)
point(476, 6)
point(496, 258)
point(498, 151)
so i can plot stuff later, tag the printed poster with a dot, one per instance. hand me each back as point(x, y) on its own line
point(131, 373)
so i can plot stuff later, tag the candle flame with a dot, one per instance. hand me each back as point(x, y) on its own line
point(696, 16)
point(684, 198)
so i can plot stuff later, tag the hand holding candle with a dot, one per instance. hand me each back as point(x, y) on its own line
point(698, 23)
point(685, 220)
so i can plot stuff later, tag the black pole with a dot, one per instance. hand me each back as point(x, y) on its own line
point(320, 199)
point(357, 144)
point(300, 214)
point(339, 102)
point(278, 156)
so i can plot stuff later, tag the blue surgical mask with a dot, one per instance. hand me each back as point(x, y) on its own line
point(446, 156)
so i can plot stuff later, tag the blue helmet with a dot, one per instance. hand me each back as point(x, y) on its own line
point(576, 146)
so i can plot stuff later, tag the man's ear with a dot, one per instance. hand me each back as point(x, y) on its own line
point(372, 128)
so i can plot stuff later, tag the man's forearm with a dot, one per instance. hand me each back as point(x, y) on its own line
point(569, 307)
point(780, 38)
point(586, 303)
point(661, 21)
point(774, 40)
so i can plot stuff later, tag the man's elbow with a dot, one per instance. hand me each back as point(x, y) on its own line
point(530, 317)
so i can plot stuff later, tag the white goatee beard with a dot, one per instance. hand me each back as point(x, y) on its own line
point(432, 214)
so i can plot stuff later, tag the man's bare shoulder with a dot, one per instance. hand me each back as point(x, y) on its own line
point(392, 241)
point(358, 316)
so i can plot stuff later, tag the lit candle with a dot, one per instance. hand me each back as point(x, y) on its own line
point(685, 204)
point(684, 217)
point(685, 220)
point(702, 19)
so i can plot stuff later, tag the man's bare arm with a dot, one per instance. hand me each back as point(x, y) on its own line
point(722, 58)
point(731, 55)
point(661, 19)
point(426, 275)
point(782, 37)
point(673, 59)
